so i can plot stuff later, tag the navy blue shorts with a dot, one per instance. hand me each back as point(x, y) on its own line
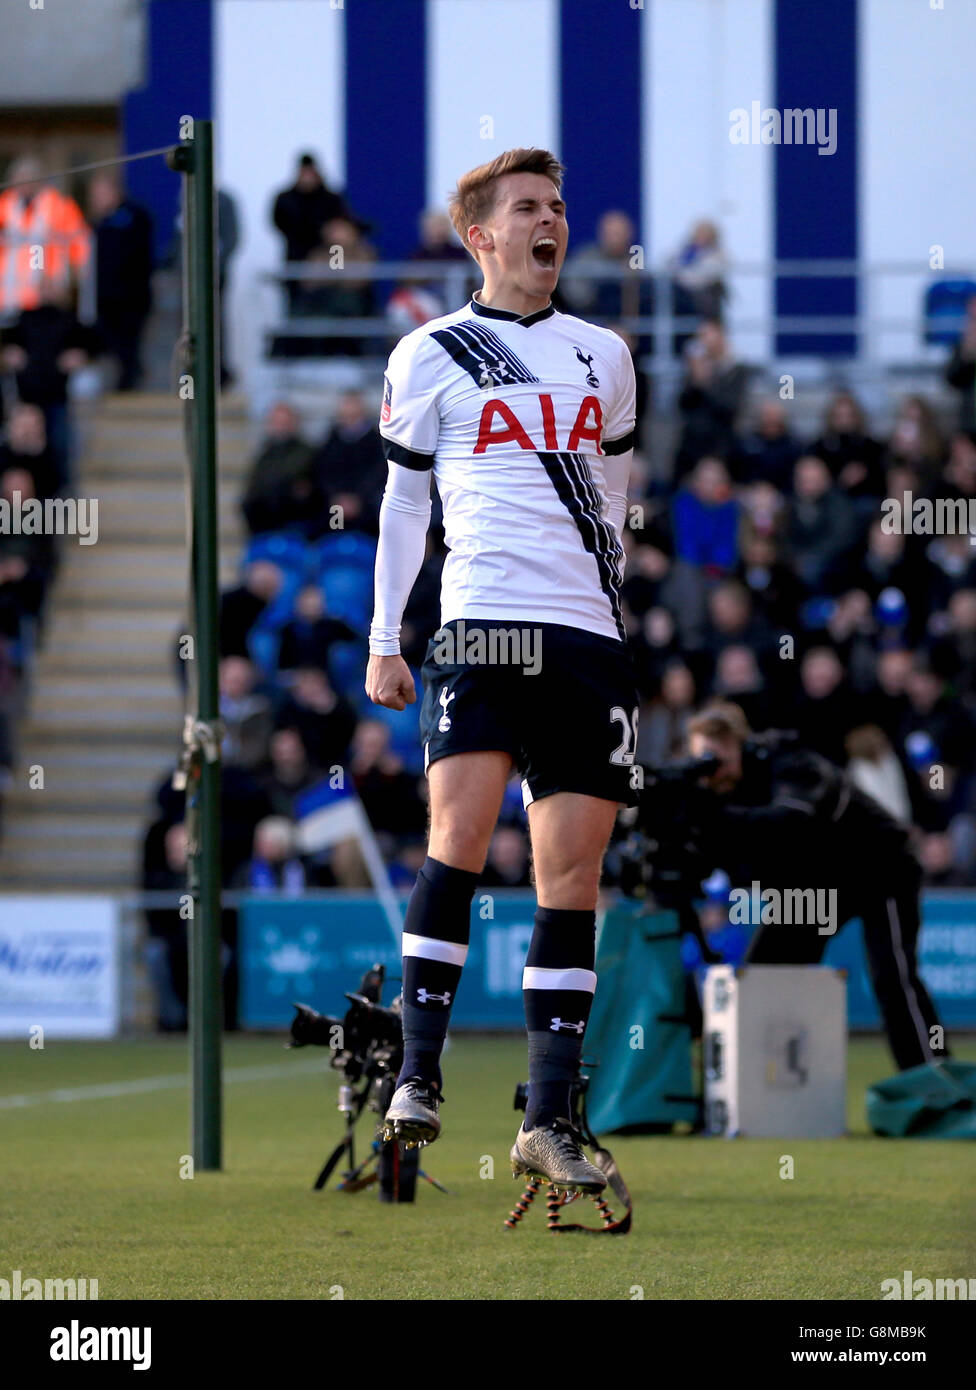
point(562, 703)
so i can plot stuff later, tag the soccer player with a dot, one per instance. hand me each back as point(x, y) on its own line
point(525, 417)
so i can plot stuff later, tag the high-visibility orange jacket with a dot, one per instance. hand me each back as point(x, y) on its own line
point(45, 239)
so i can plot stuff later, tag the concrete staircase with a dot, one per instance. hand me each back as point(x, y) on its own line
point(104, 714)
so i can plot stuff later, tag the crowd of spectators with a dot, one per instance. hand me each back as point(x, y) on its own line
point(49, 247)
point(768, 569)
point(760, 571)
point(759, 567)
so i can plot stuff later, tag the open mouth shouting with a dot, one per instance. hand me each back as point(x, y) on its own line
point(544, 252)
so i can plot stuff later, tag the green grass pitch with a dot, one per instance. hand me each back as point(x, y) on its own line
point(92, 1188)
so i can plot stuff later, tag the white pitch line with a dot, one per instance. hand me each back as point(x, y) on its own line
point(111, 1090)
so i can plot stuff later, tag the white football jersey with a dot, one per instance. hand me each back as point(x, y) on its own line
point(520, 419)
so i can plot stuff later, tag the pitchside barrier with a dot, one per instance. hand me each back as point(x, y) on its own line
point(76, 966)
point(311, 948)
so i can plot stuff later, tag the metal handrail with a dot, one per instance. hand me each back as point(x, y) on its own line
point(865, 325)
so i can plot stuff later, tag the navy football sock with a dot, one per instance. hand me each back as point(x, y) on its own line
point(435, 945)
point(557, 987)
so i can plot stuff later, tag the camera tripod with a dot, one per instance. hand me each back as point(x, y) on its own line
point(556, 1200)
point(397, 1167)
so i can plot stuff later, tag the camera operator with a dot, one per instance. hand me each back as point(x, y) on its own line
point(775, 812)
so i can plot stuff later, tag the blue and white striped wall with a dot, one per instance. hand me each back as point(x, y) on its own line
point(399, 96)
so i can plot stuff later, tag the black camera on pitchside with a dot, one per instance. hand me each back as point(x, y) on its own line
point(366, 1046)
point(661, 858)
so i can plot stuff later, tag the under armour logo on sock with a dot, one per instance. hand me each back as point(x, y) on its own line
point(558, 1023)
point(424, 996)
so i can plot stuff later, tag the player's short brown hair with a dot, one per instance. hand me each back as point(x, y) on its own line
point(722, 719)
point(474, 197)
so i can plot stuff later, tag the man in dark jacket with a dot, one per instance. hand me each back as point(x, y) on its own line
point(301, 211)
point(44, 347)
point(124, 266)
point(774, 812)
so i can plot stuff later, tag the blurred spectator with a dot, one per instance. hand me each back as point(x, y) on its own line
point(956, 641)
point(827, 709)
point(35, 214)
point(246, 714)
point(44, 346)
point(507, 865)
point(706, 518)
point(853, 457)
point(26, 560)
point(309, 637)
point(961, 368)
point(767, 451)
point(653, 647)
point(738, 677)
point(324, 719)
point(242, 804)
point(916, 440)
point(822, 529)
point(417, 301)
point(228, 237)
point(889, 702)
point(648, 567)
point(302, 210)
point(240, 608)
point(275, 865)
point(661, 728)
point(712, 397)
point(438, 239)
point(280, 491)
point(935, 711)
point(123, 269)
point(390, 795)
point(732, 621)
point(164, 864)
point(611, 299)
point(949, 565)
point(874, 768)
point(340, 295)
point(853, 630)
point(697, 277)
point(26, 446)
point(289, 771)
point(763, 513)
point(350, 467)
point(889, 563)
point(642, 390)
point(959, 474)
point(772, 583)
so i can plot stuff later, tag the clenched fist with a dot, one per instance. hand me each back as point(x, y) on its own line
point(389, 682)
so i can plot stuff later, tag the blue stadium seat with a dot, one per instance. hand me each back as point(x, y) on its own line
point(347, 663)
point(264, 639)
point(404, 730)
point(350, 549)
point(263, 644)
point(946, 300)
point(348, 592)
point(284, 548)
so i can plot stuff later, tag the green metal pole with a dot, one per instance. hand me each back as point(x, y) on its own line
point(205, 1002)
